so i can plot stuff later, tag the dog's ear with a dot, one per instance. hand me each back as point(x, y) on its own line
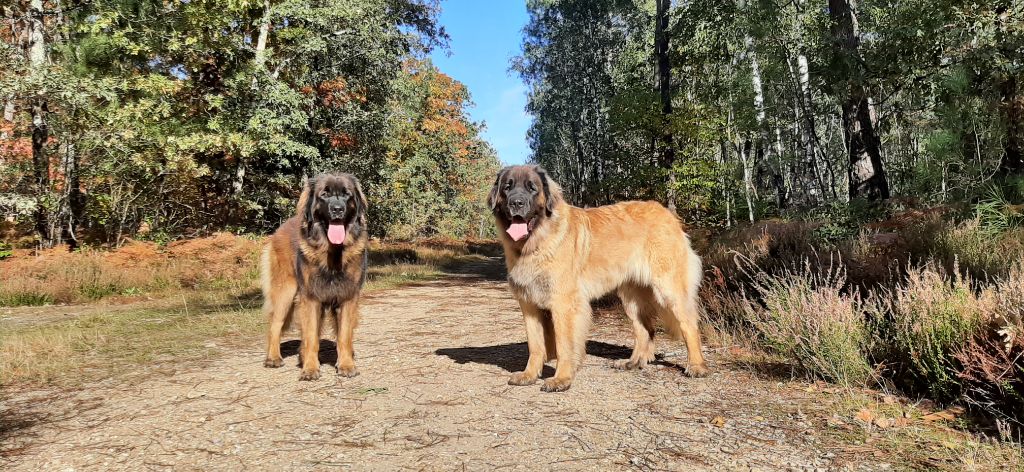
point(306, 203)
point(552, 191)
point(492, 198)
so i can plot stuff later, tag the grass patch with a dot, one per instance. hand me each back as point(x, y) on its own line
point(397, 275)
point(24, 298)
point(95, 345)
point(216, 263)
point(909, 435)
point(931, 315)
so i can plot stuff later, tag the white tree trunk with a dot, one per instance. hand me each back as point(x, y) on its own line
point(747, 183)
point(261, 41)
point(40, 130)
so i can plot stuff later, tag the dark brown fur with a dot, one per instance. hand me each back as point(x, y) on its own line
point(305, 275)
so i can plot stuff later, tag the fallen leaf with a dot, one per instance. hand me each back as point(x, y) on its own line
point(865, 415)
point(738, 351)
point(949, 414)
point(888, 399)
point(883, 423)
point(718, 421)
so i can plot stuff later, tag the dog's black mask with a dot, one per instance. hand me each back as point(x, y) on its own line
point(334, 207)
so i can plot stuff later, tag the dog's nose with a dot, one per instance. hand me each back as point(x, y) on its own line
point(516, 203)
point(337, 208)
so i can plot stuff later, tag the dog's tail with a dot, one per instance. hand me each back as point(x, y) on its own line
point(265, 271)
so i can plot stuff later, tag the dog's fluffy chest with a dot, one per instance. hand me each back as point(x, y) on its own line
point(530, 281)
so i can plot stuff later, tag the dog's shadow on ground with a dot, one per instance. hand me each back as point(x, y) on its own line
point(512, 357)
point(328, 351)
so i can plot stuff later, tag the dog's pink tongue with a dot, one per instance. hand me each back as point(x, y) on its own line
point(336, 234)
point(517, 231)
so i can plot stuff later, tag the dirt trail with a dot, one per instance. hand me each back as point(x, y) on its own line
point(432, 394)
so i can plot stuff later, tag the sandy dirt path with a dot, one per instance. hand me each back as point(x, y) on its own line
point(432, 395)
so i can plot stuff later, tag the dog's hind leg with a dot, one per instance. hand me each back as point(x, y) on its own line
point(636, 302)
point(277, 306)
point(347, 319)
point(681, 315)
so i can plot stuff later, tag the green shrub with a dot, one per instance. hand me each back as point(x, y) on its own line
point(807, 315)
point(932, 315)
point(24, 298)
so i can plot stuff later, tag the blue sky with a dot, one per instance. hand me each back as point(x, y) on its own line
point(485, 36)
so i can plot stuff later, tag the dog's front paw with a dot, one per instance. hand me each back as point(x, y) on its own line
point(555, 384)
point(522, 378)
point(697, 370)
point(312, 374)
point(347, 371)
point(273, 363)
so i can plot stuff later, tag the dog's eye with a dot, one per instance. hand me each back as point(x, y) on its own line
point(533, 188)
point(323, 194)
point(508, 185)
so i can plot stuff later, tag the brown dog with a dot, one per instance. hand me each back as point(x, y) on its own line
point(314, 265)
point(561, 257)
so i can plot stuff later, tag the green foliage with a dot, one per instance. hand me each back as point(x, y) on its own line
point(5, 250)
point(836, 222)
point(996, 214)
point(756, 87)
point(440, 169)
point(180, 124)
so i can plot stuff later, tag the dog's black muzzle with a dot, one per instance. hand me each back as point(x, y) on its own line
point(520, 204)
point(337, 207)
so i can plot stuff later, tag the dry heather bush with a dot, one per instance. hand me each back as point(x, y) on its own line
point(993, 359)
point(932, 315)
point(771, 245)
point(808, 316)
point(56, 276)
point(931, 306)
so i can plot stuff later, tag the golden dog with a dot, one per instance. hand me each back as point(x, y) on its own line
point(561, 257)
point(315, 265)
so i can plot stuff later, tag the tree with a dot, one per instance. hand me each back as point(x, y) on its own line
point(37, 54)
point(865, 172)
point(668, 152)
point(178, 118)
